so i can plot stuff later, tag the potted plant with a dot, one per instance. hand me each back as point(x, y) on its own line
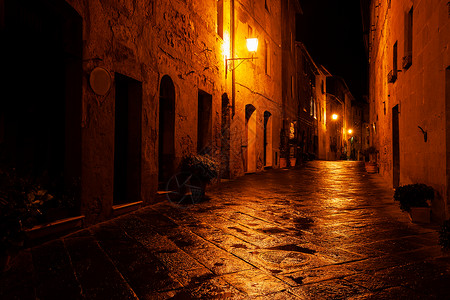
point(283, 156)
point(27, 211)
point(371, 165)
point(20, 203)
point(444, 235)
point(197, 171)
point(415, 199)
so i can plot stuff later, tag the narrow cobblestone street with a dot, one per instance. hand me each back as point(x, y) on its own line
point(327, 230)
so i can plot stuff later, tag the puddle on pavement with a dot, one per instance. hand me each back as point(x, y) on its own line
point(298, 280)
point(239, 246)
point(303, 222)
point(167, 251)
point(293, 248)
point(182, 243)
point(238, 230)
point(272, 230)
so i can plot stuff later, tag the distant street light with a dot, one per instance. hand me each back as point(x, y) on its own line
point(350, 131)
point(334, 116)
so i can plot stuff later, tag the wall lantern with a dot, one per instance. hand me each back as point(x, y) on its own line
point(334, 116)
point(350, 131)
point(252, 46)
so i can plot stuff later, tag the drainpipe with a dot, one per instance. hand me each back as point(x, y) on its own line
point(233, 75)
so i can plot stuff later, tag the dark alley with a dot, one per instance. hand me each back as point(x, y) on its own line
point(224, 149)
point(282, 234)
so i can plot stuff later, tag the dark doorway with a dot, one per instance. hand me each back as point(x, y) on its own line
point(249, 149)
point(395, 147)
point(204, 123)
point(225, 134)
point(447, 128)
point(127, 140)
point(41, 86)
point(166, 153)
point(268, 160)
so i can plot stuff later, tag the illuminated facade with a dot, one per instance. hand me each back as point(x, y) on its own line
point(408, 47)
point(290, 86)
point(147, 82)
point(308, 104)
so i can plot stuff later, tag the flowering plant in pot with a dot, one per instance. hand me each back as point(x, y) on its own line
point(415, 199)
point(444, 235)
point(371, 165)
point(20, 208)
point(196, 172)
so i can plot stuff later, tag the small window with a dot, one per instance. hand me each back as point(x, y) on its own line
point(292, 87)
point(392, 76)
point(394, 59)
point(267, 58)
point(220, 18)
point(292, 42)
point(407, 58)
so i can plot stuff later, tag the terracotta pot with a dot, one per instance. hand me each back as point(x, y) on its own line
point(420, 214)
point(371, 167)
point(293, 161)
point(4, 262)
point(283, 163)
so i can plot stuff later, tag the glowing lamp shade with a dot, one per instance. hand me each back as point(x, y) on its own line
point(252, 44)
point(350, 131)
point(334, 116)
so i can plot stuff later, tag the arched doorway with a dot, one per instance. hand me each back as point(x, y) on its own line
point(166, 147)
point(225, 137)
point(250, 133)
point(127, 139)
point(40, 107)
point(268, 160)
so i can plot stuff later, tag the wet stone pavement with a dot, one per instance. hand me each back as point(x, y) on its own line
point(327, 230)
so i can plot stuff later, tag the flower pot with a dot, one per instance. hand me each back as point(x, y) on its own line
point(371, 167)
point(283, 162)
point(4, 262)
point(420, 214)
point(293, 161)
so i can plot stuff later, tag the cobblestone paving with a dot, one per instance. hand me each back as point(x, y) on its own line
point(325, 231)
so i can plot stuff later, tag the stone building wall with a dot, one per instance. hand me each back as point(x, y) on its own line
point(321, 96)
point(146, 41)
point(412, 87)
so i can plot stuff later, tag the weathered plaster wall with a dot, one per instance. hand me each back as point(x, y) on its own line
point(146, 40)
point(322, 115)
point(419, 92)
point(253, 85)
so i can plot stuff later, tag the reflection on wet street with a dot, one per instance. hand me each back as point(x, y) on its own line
point(325, 231)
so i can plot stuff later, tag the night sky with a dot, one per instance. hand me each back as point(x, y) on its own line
point(332, 33)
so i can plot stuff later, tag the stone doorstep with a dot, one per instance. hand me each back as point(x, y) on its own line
point(121, 209)
point(55, 228)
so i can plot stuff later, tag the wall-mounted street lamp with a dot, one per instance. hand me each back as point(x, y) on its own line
point(350, 131)
point(334, 116)
point(252, 46)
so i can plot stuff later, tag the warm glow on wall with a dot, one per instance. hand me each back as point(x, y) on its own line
point(334, 116)
point(252, 44)
point(226, 44)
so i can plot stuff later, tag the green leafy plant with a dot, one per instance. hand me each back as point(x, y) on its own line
point(25, 203)
point(413, 195)
point(20, 207)
point(203, 167)
point(444, 235)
